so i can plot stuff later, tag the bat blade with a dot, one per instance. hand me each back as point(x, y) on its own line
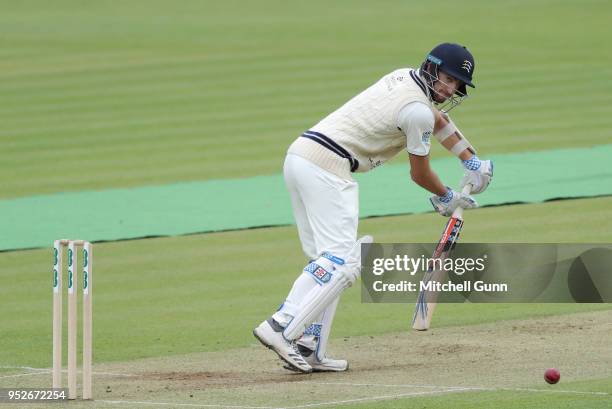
point(427, 300)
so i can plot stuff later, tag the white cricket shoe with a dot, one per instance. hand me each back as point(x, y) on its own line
point(270, 334)
point(320, 365)
point(327, 364)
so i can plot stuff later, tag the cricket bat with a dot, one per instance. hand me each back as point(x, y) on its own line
point(426, 301)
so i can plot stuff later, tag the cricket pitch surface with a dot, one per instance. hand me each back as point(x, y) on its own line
point(508, 356)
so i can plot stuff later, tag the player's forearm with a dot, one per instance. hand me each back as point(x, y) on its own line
point(429, 180)
point(449, 136)
point(451, 141)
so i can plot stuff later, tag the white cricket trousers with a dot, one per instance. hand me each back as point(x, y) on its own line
point(325, 207)
point(326, 211)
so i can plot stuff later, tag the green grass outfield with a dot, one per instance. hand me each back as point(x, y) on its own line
point(140, 93)
point(106, 94)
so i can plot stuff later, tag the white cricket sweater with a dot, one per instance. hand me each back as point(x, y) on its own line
point(367, 127)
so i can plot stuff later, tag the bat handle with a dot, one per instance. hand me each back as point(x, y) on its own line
point(458, 213)
point(467, 189)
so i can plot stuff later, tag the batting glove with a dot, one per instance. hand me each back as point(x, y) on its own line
point(446, 205)
point(478, 173)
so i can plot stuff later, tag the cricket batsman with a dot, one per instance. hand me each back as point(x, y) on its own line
point(402, 111)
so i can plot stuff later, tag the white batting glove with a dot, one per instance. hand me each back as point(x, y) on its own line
point(478, 173)
point(446, 205)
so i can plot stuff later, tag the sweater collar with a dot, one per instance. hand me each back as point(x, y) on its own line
point(416, 77)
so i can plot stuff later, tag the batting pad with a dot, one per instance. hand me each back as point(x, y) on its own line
point(197, 207)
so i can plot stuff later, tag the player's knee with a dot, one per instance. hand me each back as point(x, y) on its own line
point(325, 267)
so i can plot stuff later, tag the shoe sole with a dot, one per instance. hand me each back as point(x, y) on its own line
point(291, 365)
point(290, 368)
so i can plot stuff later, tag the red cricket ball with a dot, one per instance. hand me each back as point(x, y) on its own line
point(552, 375)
